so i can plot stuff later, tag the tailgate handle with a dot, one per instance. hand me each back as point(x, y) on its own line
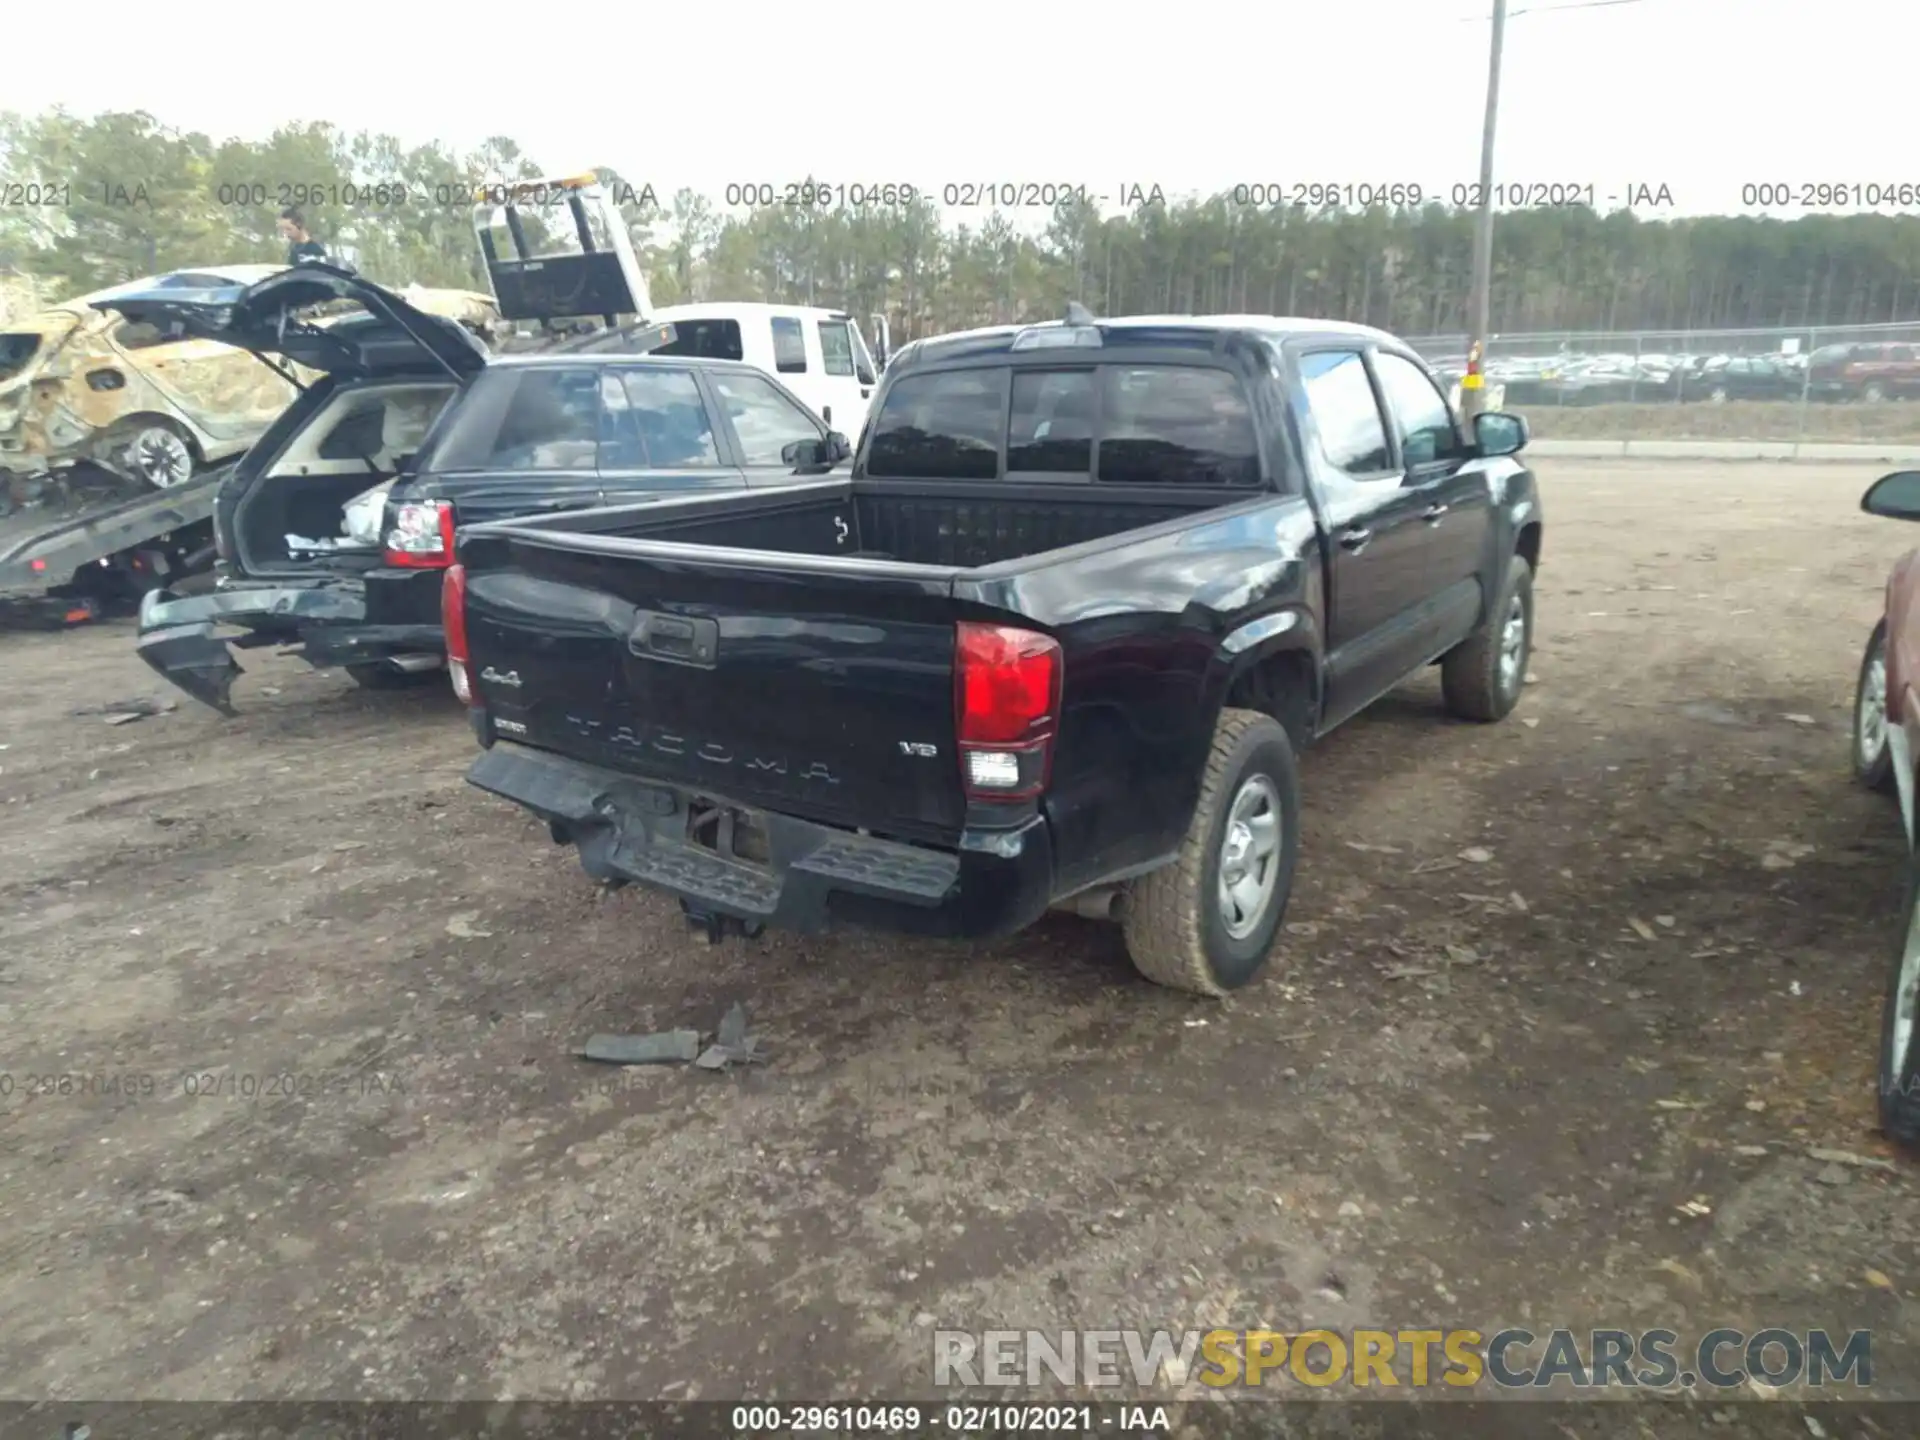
point(675, 639)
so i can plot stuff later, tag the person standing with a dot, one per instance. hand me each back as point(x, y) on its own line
point(300, 245)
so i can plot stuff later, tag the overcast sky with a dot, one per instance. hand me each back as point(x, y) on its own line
point(1701, 96)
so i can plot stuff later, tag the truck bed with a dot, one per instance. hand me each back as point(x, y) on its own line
point(951, 526)
point(792, 649)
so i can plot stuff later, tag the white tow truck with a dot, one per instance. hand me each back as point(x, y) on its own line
point(558, 253)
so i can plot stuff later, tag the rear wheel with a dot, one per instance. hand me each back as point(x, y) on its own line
point(1206, 923)
point(1874, 393)
point(159, 455)
point(1872, 760)
point(1900, 1030)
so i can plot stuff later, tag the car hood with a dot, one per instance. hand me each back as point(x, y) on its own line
point(263, 317)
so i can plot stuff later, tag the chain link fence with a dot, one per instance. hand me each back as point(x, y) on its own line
point(1855, 384)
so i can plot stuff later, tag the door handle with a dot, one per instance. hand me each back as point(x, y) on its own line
point(1433, 513)
point(677, 639)
point(1355, 539)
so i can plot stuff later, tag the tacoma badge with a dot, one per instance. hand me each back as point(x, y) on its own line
point(511, 679)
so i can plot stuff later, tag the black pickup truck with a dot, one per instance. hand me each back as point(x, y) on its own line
point(334, 529)
point(1054, 642)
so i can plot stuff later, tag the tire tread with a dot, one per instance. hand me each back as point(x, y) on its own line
point(1470, 672)
point(1164, 908)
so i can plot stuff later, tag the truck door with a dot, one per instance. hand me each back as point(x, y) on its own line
point(1456, 510)
point(849, 372)
point(1377, 582)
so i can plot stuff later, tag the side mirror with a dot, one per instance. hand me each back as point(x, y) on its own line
point(1497, 433)
point(830, 449)
point(1894, 497)
point(804, 454)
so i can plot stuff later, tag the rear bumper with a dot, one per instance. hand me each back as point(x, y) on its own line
point(179, 639)
point(631, 829)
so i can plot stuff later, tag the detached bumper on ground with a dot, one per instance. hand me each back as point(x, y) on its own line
point(179, 635)
point(812, 875)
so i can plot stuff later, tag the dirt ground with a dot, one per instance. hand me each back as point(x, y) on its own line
point(1542, 985)
point(1892, 422)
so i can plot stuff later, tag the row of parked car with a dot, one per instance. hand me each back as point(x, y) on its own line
point(1863, 372)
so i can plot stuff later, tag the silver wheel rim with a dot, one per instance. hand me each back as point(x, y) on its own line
point(1906, 1000)
point(1870, 712)
point(161, 458)
point(1513, 644)
point(1718, 397)
point(1249, 856)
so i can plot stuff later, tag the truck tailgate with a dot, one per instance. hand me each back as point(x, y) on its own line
point(820, 694)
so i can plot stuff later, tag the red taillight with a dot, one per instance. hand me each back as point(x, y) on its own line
point(1006, 707)
point(453, 620)
point(421, 537)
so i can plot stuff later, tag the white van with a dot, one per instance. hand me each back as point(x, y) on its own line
point(818, 354)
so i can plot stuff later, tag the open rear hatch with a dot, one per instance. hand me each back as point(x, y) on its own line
point(276, 320)
point(266, 318)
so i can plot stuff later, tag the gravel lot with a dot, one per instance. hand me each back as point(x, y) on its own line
point(1543, 984)
point(1894, 422)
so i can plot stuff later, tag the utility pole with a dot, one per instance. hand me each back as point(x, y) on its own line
point(1480, 298)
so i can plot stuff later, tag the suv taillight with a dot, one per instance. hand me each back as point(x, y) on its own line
point(1006, 709)
point(453, 620)
point(421, 536)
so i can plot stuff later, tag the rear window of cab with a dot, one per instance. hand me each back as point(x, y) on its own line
point(1117, 424)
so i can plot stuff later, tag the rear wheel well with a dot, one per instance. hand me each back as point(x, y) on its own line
point(1285, 686)
point(128, 426)
point(1528, 546)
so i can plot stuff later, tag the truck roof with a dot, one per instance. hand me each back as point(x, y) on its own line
point(993, 338)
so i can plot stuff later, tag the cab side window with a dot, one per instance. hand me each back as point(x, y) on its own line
point(764, 420)
point(1353, 437)
point(1420, 413)
point(789, 346)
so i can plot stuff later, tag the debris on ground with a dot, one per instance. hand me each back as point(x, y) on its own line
point(1848, 1157)
point(125, 712)
point(666, 1047)
point(466, 926)
point(732, 1045)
